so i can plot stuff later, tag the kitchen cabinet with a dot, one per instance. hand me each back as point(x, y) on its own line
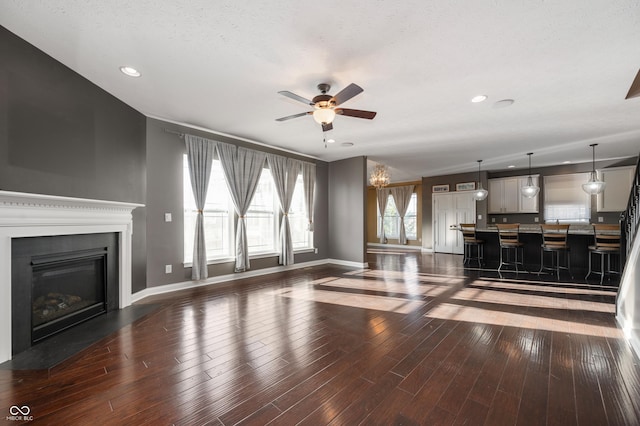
point(505, 196)
point(615, 196)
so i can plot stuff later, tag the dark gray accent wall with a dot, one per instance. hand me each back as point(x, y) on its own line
point(165, 150)
point(60, 134)
point(347, 209)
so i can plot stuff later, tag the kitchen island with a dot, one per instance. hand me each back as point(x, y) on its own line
point(579, 239)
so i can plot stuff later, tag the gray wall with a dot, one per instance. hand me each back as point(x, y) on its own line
point(62, 135)
point(347, 209)
point(165, 151)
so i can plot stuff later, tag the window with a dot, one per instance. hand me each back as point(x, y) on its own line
point(218, 215)
point(564, 199)
point(301, 237)
point(392, 219)
point(261, 218)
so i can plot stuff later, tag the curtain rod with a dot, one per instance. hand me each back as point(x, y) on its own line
point(173, 132)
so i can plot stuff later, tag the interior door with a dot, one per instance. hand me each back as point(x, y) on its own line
point(450, 210)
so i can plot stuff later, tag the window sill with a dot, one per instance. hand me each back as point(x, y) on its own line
point(251, 257)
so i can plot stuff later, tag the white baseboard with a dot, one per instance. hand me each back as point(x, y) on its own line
point(169, 288)
point(398, 246)
point(630, 334)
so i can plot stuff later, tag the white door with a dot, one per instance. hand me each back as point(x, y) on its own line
point(450, 210)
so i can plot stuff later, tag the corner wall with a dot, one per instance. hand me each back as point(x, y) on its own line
point(347, 209)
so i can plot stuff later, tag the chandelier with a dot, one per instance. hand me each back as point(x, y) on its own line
point(380, 176)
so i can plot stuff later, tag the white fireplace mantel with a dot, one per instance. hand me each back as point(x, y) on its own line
point(36, 215)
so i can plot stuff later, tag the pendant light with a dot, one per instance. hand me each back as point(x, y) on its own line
point(480, 193)
point(594, 186)
point(530, 190)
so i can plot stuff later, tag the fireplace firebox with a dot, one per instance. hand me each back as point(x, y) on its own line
point(59, 282)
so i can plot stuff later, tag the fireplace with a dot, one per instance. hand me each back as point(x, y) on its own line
point(60, 281)
point(23, 216)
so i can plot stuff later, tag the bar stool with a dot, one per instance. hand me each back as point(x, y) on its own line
point(470, 241)
point(606, 243)
point(554, 241)
point(509, 237)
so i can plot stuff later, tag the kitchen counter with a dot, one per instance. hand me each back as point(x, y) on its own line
point(535, 228)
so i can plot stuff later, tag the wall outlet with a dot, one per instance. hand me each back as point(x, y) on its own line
point(479, 217)
point(536, 219)
point(168, 269)
point(600, 219)
point(315, 250)
point(167, 217)
point(504, 220)
point(493, 220)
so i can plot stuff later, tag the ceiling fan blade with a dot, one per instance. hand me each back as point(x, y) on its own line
point(347, 93)
point(295, 97)
point(327, 126)
point(289, 117)
point(356, 113)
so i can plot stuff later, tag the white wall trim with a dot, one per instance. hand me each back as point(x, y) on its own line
point(185, 285)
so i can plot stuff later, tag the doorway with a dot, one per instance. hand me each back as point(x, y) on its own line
point(449, 210)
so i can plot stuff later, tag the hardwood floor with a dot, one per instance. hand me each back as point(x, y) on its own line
point(413, 340)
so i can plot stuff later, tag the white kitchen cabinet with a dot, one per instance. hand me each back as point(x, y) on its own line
point(615, 196)
point(505, 195)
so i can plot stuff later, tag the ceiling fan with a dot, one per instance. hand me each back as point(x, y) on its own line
point(325, 106)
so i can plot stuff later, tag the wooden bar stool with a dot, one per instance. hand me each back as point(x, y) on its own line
point(606, 243)
point(554, 242)
point(470, 241)
point(509, 237)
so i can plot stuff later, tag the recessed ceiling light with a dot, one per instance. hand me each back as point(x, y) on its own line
point(130, 71)
point(566, 162)
point(511, 166)
point(346, 144)
point(503, 103)
point(331, 140)
point(479, 98)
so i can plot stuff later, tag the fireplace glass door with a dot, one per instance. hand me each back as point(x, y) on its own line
point(66, 289)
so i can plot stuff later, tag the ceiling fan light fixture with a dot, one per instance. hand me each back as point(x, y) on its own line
point(324, 115)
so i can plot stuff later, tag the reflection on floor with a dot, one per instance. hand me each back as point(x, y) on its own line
point(414, 339)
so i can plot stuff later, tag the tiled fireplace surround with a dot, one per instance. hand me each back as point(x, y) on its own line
point(35, 215)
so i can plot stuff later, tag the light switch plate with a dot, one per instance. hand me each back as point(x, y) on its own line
point(168, 269)
point(167, 217)
point(536, 219)
point(504, 220)
point(479, 217)
point(600, 219)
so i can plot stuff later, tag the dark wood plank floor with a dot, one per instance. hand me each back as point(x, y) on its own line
point(413, 340)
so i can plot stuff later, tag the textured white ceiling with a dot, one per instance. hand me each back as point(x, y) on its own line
point(219, 65)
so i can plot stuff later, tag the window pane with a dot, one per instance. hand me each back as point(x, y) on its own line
point(298, 221)
point(218, 215)
point(564, 199)
point(262, 217)
point(411, 218)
